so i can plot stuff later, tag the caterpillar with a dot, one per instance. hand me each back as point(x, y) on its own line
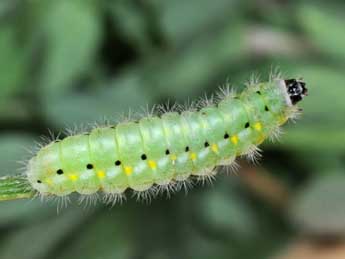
point(164, 150)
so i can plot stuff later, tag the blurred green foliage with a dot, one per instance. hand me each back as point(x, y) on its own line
point(66, 63)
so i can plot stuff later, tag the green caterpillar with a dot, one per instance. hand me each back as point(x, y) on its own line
point(163, 151)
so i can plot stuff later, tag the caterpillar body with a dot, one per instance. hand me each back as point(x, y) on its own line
point(167, 149)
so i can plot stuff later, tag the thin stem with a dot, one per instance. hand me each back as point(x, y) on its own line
point(15, 187)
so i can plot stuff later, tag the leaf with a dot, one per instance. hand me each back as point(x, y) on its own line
point(106, 237)
point(13, 149)
point(319, 208)
point(225, 212)
point(25, 212)
point(46, 234)
point(115, 103)
point(190, 69)
point(13, 64)
point(72, 30)
point(181, 19)
point(313, 138)
point(325, 27)
point(131, 23)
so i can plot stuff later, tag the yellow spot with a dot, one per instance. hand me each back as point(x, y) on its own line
point(234, 139)
point(282, 119)
point(261, 139)
point(214, 148)
point(128, 170)
point(101, 174)
point(49, 182)
point(152, 164)
point(173, 157)
point(193, 156)
point(73, 177)
point(258, 126)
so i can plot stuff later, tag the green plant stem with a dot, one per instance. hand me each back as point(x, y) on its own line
point(15, 187)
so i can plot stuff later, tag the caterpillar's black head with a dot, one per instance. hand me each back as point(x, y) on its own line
point(296, 90)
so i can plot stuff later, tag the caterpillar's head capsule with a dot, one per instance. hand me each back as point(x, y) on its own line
point(296, 90)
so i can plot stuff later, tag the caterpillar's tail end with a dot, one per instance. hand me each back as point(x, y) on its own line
point(296, 90)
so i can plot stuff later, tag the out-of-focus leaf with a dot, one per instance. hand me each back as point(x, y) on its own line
point(182, 19)
point(326, 161)
point(319, 208)
point(325, 27)
point(313, 138)
point(14, 109)
point(114, 103)
point(131, 23)
point(13, 67)
point(13, 149)
point(72, 31)
point(105, 238)
point(6, 5)
point(47, 235)
point(201, 246)
point(225, 212)
point(22, 212)
point(187, 71)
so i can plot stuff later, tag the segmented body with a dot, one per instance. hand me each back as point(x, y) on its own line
point(161, 150)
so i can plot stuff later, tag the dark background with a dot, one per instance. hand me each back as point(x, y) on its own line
point(64, 64)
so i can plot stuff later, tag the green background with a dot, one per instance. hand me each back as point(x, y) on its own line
point(65, 64)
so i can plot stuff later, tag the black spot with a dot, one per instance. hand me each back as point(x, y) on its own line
point(118, 162)
point(167, 152)
point(247, 125)
point(258, 92)
point(226, 136)
point(89, 166)
point(266, 108)
point(60, 171)
point(207, 144)
point(112, 127)
point(39, 181)
point(143, 157)
point(187, 149)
